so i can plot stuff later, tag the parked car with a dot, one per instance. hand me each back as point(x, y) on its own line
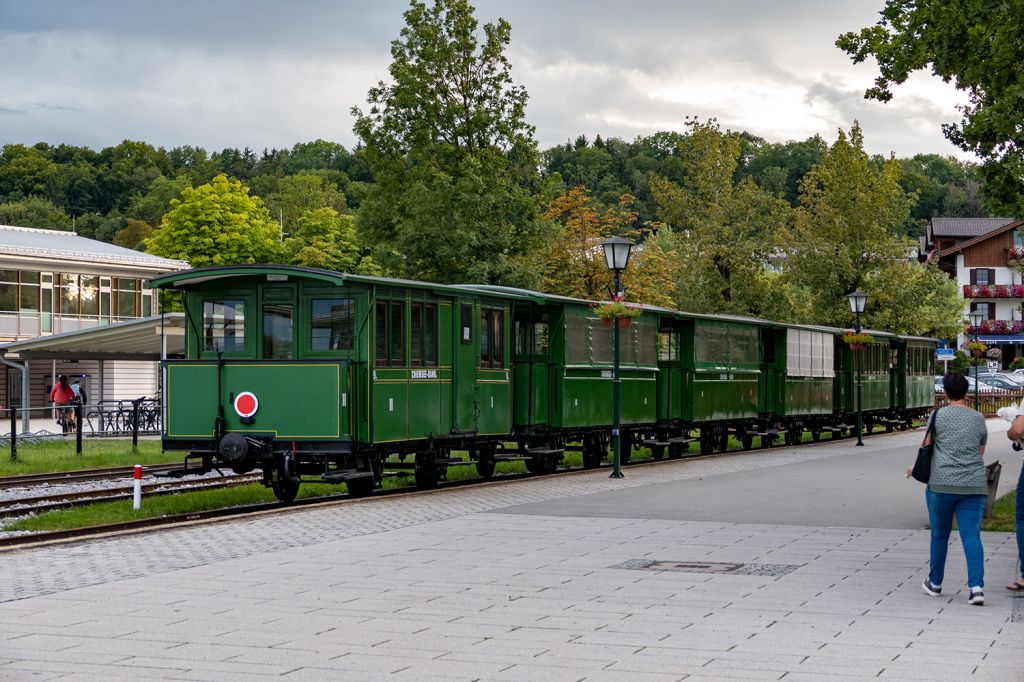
point(982, 386)
point(1000, 382)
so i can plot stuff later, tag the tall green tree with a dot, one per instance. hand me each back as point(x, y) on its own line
point(454, 161)
point(217, 224)
point(327, 239)
point(34, 212)
point(727, 232)
point(976, 45)
point(299, 194)
point(846, 228)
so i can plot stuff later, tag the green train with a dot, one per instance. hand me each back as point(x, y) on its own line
point(307, 374)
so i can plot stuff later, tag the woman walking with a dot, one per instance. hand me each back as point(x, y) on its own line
point(958, 487)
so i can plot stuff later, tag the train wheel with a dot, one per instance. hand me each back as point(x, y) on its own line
point(360, 487)
point(284, 483)
point(485, 462)
point(707, 442)
point(658, 452)
point(676, 451)
point(793, 434)
point(427, 474)
point(815, 435)
point(723, 439)
point(746, 440)
point(593, 451)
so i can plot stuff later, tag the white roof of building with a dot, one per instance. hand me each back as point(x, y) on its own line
point(30, 242)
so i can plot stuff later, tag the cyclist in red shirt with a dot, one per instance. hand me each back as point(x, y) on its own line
point(61, 395)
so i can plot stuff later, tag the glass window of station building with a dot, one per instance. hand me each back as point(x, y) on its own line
point(34, 303)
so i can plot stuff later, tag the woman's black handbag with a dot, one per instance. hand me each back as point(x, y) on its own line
point(922, 470)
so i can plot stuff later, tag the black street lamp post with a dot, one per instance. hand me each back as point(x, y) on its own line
point(616, 254)
point(976, 318)
point(858, 299)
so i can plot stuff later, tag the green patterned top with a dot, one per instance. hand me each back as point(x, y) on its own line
point(957, 465)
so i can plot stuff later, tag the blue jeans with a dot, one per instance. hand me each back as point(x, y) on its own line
point(1018, 519)
point(968, 510)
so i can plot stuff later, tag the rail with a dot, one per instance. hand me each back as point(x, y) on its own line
point(988, 402)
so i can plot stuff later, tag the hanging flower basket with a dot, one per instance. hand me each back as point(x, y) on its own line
point(624, 322)
point(976, 348)
point(857, 341)
point(616, 310)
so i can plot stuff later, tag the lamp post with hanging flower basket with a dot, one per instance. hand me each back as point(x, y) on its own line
point(976, 348)
point(858, 299)
point(616, 254)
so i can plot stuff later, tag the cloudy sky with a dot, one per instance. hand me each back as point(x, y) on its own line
point(270, 73)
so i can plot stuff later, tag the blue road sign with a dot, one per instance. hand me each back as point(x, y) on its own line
point(944, 353)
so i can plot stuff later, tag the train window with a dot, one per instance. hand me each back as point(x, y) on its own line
point(381, 338)
point(423, 335)
point(389, 340)
point(466, 335)
point(224, 325)
point(646, 344)
point(601, 346)
point(332, 321)
point(277, 331)
point(540, 338)
point(492, 332)
point(396, 346)
point(667, 341)
point(577, 347)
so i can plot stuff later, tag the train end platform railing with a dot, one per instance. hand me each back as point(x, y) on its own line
point(108, 418)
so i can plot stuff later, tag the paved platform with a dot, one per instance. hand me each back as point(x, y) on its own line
point(546, 579)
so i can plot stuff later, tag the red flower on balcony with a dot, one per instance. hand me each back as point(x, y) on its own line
point(1017, 291)
point(982, 291)
point(998, 327)
point(1000, 291)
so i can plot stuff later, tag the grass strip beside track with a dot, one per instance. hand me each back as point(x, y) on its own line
point(38, 457)
point(1002, 514)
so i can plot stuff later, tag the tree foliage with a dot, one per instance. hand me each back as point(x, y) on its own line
point(976, 45)
point(216, 224)
point(454, 161)
point(325, 239)
point(908, 298)
point(846, 228)
point(299, 194)
point(727, 231)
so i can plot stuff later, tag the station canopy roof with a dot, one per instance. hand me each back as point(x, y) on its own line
point(132, 340)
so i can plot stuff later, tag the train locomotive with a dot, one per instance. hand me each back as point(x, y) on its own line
point(308, 374)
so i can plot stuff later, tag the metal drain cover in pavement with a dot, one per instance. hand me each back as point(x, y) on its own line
point(768, 570)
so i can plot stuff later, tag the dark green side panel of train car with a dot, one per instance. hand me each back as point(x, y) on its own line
point(722, 370)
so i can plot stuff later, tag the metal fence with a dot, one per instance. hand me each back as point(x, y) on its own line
point(988, 402)
point(107, 418)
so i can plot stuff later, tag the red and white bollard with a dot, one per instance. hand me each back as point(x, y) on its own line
point(137, 500)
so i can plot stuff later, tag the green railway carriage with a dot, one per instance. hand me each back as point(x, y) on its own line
point(335, 373)
point(562, 369)
point(913, 376)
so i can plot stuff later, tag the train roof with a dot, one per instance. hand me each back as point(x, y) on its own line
point(184, 279)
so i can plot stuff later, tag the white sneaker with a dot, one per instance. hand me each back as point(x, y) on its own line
point(977, 597)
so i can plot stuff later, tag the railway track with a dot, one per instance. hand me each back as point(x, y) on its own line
point(82, 476)
point(20, 506)
point(15, 541)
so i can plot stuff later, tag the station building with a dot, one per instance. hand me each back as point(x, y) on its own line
point(56, 287)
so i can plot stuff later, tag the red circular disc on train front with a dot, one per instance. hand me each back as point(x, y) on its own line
point(246, 404)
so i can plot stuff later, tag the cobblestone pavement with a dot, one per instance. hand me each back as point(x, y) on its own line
point(445, 586)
